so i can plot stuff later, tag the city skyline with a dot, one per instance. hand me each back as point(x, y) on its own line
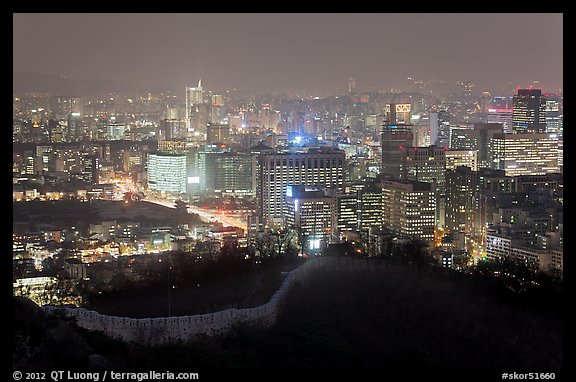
point(293, 52)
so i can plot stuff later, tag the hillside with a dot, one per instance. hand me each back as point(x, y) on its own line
point(367, 314)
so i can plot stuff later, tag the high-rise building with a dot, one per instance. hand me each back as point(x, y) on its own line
point(131, 159)
point(501, 115)
point(217, 133)
point(167, 173)
point(312, 213)
point(524, 154)
point(529, 111)
point(43, 155)
point(486, 132)
point(398, 113)
point(62, 106)
point(115, 131)
point(464, 138)
point(408, 208)
point(440, 128)
point(396, 138)
point(370, 207)
point(75, 127)
point(455, 158)
point(173, 129)
point(315, 167)
point(427, 164)
point(462, 187)
point(347, 208)
point(554, 115)
point(351, 86)
point(194, 98)
point(217, 109)
point(233, 174)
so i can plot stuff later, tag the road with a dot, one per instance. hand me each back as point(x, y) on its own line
point(207, 215)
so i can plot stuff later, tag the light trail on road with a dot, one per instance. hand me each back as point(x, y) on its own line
point(209, 216)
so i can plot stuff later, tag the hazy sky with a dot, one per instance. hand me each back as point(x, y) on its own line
point(310, 51)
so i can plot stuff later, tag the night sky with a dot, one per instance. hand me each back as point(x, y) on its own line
point(292, 52)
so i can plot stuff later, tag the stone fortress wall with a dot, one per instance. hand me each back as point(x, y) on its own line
point(161, 330)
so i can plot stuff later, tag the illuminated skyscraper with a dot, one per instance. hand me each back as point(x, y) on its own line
point(408, 208)
point(440, 128)
point(524, 154)
point(455, 158)
point(396, 138)
point(554, 115)
point(426, 164)
point(217, 133)
point(347, 212)
point(462, 187)
point(501, 115)
point(167, 173)
point(313, 214)
point(194, 98)
point(316, 167)
point(529, 111)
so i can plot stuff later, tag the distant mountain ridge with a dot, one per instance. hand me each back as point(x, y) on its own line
point(55, 84)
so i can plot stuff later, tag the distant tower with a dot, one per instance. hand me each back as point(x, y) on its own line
point(194, 97)
point(351, 86)
point(467, 89)
point(529, 111)
point(396, 139)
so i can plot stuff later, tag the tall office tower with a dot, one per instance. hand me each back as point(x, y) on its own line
point(43, 155)
point(398, 113)
point(554, 115)
point(205, 165)
point(29, 167)
point(370, 206)
point(167, 173)
point(408, 208)
point(217, 109)
point(173, 128)
point(524, 154)
point(217, 133)
point(464, 138)
point(351, 86)
point(455, 158)
point(440, 128)
point(233, 174)
point(486, 132)
point(115, 131)
point(396, 138)
point(347, 209)
point(316, 167)
point(194, 97)
point(76, 129)
point(421, 135)
point(313, 214)
point(462, 204)
point(555, 122)
point(529, 111)
point(62, 106)
point(427, 164)
point(501, 115)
